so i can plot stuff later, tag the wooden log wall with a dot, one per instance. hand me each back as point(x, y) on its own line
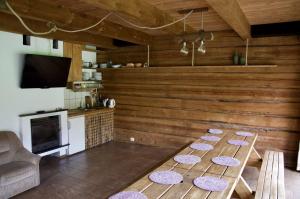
point(170, 105)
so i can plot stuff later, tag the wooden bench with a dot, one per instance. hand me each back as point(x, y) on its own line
point(271, 178)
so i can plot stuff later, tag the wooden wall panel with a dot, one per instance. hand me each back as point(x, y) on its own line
point(169, 106)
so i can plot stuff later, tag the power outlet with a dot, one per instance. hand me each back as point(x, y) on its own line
point(132, 139)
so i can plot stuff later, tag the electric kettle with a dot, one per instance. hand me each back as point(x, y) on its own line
point(111, 103)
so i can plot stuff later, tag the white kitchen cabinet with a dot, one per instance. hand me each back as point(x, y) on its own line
point(76, 134)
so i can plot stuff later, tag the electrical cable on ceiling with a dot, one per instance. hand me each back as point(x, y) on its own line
point(154, 28)
point(87, 28)
point(24, 24)
point(54, 28)
point(51, 24)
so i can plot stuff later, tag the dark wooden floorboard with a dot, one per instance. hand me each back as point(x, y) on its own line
point(104, 170)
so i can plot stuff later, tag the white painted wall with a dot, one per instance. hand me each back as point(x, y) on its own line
point(14, 100)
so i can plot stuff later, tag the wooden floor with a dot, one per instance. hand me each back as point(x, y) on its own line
point(104, 170)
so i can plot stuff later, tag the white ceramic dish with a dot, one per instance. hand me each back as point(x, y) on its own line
point(116, 66)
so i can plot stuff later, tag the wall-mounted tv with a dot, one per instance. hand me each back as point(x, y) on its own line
point(41, 71)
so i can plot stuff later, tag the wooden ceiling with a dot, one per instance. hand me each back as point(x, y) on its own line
point(74, 14)
point(256, 11)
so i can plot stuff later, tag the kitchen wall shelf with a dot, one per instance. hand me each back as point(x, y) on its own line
point(82, 86)
point(88, 68)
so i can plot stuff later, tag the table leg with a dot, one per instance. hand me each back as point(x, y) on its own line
point(255, 159)
point(243, 189)
point(255, 155)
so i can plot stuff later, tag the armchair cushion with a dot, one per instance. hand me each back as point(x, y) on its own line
point(9, 145)
point(15, 171)
point(24, 155)
point(19, 169)
point(4, 146)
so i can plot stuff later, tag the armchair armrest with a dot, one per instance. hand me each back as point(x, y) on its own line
point(24, 155)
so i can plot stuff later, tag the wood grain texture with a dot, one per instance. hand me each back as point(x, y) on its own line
point(231, 12)
point(141, 11)
point(168, 105)
point(257, 12)
point(64, 17)
point(186, 189)
point(271, 177)
point(74, 51)
point(11, 24)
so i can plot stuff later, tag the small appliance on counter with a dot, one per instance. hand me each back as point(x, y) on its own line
point(89, 102)
point(109, 103)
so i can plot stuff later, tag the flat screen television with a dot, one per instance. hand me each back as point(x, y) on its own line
point(41, 71)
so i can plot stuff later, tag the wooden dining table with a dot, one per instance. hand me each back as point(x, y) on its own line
point(186, 189)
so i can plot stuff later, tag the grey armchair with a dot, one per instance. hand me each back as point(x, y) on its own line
point(19, 169)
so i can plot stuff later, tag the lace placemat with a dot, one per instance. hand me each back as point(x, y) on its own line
point(210, 183)
point(210, 138)
point(215, 131)
point(226, 161)
point(128, 195)
point(202, 146)
point(187, 159)
point(244, 133)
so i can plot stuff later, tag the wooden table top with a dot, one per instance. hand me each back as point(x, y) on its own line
point(206, 167)
point(186, 189)
point(221, 148)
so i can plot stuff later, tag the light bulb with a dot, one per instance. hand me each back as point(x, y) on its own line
point(184, 50)
point(202, 48)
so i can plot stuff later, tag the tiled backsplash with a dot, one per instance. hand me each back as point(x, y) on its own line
point(73, 99)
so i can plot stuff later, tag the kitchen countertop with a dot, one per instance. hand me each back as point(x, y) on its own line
point(79, 112)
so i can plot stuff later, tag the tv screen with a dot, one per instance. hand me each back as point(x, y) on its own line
point(42, 71)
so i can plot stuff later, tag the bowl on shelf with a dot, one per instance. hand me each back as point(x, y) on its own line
point(116, 66)
point(137, 65)
point(130, 65)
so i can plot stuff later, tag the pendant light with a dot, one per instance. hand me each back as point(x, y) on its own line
point(184, 50)
point(202, 47)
